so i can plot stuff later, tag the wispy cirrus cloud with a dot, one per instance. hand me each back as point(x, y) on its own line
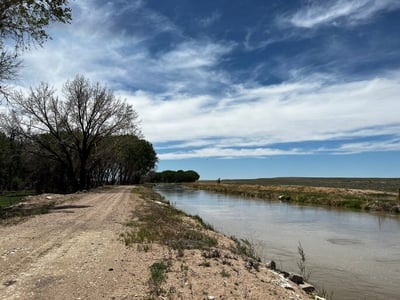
point(225, 153)
point(124, 57)
point(210, 19)
point(337, 12)
point(355, 148)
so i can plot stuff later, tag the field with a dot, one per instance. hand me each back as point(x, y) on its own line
point(377, 184)
point(369, 194)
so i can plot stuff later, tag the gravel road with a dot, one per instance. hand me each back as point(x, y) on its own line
point(73, 252)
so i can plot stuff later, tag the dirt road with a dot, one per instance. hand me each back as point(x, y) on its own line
point(71, 253)
point(76, 252)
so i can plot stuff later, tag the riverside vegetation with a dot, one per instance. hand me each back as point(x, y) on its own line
point(359, 199)
point(198, 263)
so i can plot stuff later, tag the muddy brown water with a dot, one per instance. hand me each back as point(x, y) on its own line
point(353, 255)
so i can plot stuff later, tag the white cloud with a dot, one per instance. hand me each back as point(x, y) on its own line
point(331, 12)
point(354, 148)
point(227, 153)
point(124, 59)
point(259, 117)
point(209, 20)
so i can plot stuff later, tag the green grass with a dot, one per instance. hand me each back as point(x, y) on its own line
point(12, 198)
point(157, 277)
point(164, 224)
point(157, 272)
point(11, 215)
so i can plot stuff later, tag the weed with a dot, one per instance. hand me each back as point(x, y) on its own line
point(325, 294)
point(157, 277)
point(302, 263)
point(181, 252)
point(245, 248)
point(202, 223)
point(144, 248)
point(225, 273)
point(184, 268)
point(205, 264)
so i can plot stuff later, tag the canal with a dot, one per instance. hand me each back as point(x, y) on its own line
point(355, 255)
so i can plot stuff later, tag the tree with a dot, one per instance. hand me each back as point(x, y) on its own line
point(70, 129)
point(123, 159)
point(175, 176)
point(22, 24)
point(135, 158)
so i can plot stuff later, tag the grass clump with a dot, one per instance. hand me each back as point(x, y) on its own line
point(244, 248)
point(205, 264)
point(224, 273)
point(301, 264)
point(157, 277)
point(202, 223)
point(157, 221)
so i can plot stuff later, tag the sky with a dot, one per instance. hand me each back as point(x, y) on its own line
point(243, 89)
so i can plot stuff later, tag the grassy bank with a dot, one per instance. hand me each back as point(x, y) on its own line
point(11, 198)
point(158, 222)
point(186, 259)
point(390, 185)
point(367, 200)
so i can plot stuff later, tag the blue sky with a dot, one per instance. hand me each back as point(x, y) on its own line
point(244, 89)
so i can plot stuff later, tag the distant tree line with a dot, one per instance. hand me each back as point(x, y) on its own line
point(169, 176)
point(84, 139)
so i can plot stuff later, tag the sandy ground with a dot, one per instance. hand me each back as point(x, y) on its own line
point(75, 252)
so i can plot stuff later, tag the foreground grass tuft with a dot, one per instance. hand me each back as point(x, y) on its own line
point(244, 248)
point(157, 277)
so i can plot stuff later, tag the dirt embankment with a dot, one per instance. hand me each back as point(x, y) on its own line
point(77, 251)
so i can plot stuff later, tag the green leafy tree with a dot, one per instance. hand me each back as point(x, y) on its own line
point(170, 176)
point(23, 23)
point(136, 158)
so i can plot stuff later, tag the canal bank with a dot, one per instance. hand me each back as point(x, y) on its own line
point(356, 199)
point(351, 254)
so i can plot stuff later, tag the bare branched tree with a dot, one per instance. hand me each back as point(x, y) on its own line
point(70, 129)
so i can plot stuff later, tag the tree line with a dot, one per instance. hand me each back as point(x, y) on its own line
point(169, 176)
point(85, 138)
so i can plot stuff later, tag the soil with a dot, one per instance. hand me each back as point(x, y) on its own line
point(75, 252)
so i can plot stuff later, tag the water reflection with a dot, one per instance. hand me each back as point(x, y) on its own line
point(354, 254)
